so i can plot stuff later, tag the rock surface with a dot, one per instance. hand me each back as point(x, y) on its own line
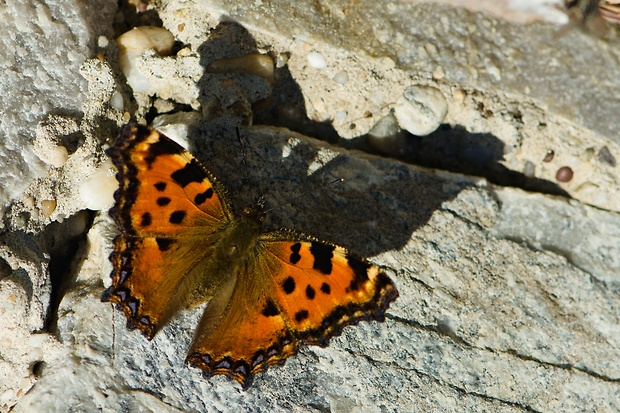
point(509, 292)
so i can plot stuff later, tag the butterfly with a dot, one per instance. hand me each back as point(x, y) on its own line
point(181, 245)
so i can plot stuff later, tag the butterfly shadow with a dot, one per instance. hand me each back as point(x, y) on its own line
point(375, 209)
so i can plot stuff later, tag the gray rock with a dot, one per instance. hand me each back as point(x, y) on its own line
point(508, 299)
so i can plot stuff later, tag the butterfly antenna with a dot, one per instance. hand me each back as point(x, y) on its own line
point(303, 194)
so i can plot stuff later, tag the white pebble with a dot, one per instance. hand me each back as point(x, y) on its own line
point(38, 339)
point(282, 60)
point(341, 115)
point(116, 101)
point(316, 60)
point(387, 137)
point(55, 155)
point(341, 77)
point(421, 109)
point(132, 44)
point(102, 41)
point(97, 193)
point(176, 125)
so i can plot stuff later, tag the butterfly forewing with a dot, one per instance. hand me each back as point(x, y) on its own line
point(169, 215)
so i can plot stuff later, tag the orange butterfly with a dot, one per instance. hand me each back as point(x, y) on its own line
point(180, 245)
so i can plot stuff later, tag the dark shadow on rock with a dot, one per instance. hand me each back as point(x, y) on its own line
point(378, 218)
point(67, 252)
point(286, 108)
point(285, 104)
point(455, 149)
point(358, 214)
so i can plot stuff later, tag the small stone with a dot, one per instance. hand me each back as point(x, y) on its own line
point(316, 60)
point(102, 42)
point(605, 156)
point(55, 155)
point(282, 60)
point(48, 206)
point(97, 193)
point(340, 116)
point(439, 73)
point(421, 109)
point(132, 44)
point(529, 169)
point(116, 100)
point(253, 64)
point(387, 137)
point(564, 174)
point(549, 156)
point(341, 77)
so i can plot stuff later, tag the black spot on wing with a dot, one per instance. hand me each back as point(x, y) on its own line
point(288, 285)
point(270, 309)
point(326, 289)
point(200, 198)
point(310, 292)
point(301, 315)
point(147, 219)
point(163, 201)
point(323, 255)
point(164, 146)
point(191, 172)
point(295, 257)
point(164, 244)
point(160, 186)
point(353, 285)
point(360, 268)
point(177, 217)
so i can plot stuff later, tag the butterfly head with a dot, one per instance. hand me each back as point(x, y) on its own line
point(256, 211)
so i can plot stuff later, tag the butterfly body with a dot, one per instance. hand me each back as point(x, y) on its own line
point(180, 245)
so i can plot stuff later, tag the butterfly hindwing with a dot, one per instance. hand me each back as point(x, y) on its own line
point(303, 291)
point(322, 288)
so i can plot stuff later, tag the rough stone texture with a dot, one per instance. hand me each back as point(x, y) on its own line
point(42, 49)
point(508, 299)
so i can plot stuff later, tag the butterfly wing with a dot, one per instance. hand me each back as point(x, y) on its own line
point(170, 215)
point(296, 290)
point(180, 245)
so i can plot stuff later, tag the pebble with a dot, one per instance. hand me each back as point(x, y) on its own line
point(116, 100)
point(387, 137)
point(316, 60)
point(97, 192)
point(48, 206)
point(421, 109)
point(55, 155)
point(102, 42)
point(549, 156)
point(341, 77)
point(605, 156)
point(253, 64)
point(564, 174)
point(529, 169)
point(132, 44)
